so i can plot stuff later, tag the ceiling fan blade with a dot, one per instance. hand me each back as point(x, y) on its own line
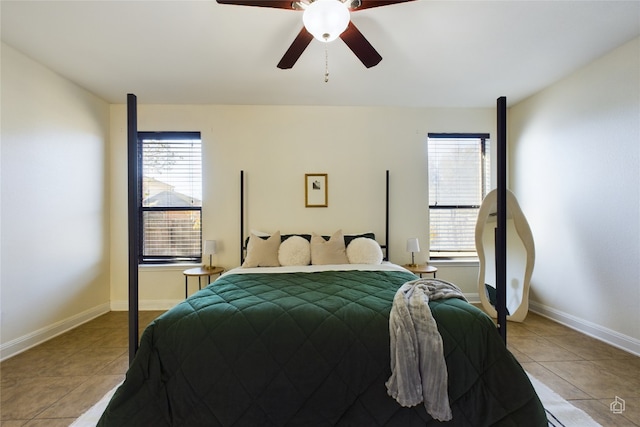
point(367, 4)
point(360, 46)
point(298, 46)
point(277, 4)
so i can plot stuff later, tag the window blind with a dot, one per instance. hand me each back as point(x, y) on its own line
point(171, 189)
point(458, 181)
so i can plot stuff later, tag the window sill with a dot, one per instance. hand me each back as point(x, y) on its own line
point(169, 266)
point(455, 261)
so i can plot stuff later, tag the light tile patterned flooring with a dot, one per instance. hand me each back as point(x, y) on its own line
point(54, 383)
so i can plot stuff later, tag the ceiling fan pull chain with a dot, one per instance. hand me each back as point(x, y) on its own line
point(326, 62)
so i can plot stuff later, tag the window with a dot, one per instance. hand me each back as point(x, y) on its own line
point(459, 178)
point(171, 196)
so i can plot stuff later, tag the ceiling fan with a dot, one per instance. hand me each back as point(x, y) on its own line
point(317, 15)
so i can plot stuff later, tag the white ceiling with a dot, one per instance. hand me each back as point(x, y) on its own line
point(435, 53)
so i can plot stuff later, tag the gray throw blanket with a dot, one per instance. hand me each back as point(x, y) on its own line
point(418, 368)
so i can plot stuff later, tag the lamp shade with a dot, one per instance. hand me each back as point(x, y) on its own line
point(413, 245)
point(209, 246)
point(326, 19)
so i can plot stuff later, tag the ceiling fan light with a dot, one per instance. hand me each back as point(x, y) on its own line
point(326, 19)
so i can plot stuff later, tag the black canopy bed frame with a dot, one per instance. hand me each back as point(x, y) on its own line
point(135, 226)
point(312, 344)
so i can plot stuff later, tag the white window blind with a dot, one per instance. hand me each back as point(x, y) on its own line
point(171, 205)
point(458, 181)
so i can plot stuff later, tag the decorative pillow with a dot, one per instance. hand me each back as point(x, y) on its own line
point(260, 234)
point(295, 250)
point(262, 252)
point(328, 252)
point(364, 251)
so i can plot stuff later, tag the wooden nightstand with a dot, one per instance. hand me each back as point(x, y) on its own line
point(422, 269)
point(199, 272)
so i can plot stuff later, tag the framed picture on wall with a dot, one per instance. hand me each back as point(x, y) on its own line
point(315, 190)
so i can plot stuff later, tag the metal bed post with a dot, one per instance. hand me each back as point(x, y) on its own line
point(134, 222)
point(501, 230)
point(241, 216)
point(386, 223)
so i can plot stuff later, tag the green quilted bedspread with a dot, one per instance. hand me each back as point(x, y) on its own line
point(309, 349)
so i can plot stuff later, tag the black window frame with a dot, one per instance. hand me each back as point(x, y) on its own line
point(485, 139)
point(163, 259)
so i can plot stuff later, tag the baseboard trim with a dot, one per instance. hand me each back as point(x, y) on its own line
point(601, 333)
point(20, 344)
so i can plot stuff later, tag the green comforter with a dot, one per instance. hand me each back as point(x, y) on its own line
point(309, 349)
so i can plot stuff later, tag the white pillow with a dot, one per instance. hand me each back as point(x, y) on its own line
point(296, 250)
point(364, 251)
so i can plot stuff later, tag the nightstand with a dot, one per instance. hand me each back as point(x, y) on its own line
point(199, 272)
point(422, 269)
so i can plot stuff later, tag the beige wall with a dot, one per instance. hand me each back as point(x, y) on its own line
point(276, 146)
point(55, 236)
point(575, 168)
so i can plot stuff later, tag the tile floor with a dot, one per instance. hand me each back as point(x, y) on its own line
point(54, 383)
point(583, 370)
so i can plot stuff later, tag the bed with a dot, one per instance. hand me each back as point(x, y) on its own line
point(309, 345)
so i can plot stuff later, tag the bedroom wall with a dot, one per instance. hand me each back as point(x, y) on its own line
point(54, 249)
point(276, 146)
point(575, 168)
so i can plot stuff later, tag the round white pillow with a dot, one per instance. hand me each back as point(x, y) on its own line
point(294, 251)
point(364, 251)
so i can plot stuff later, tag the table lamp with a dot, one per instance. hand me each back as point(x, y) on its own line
point(413, 246)
point(210, 249)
